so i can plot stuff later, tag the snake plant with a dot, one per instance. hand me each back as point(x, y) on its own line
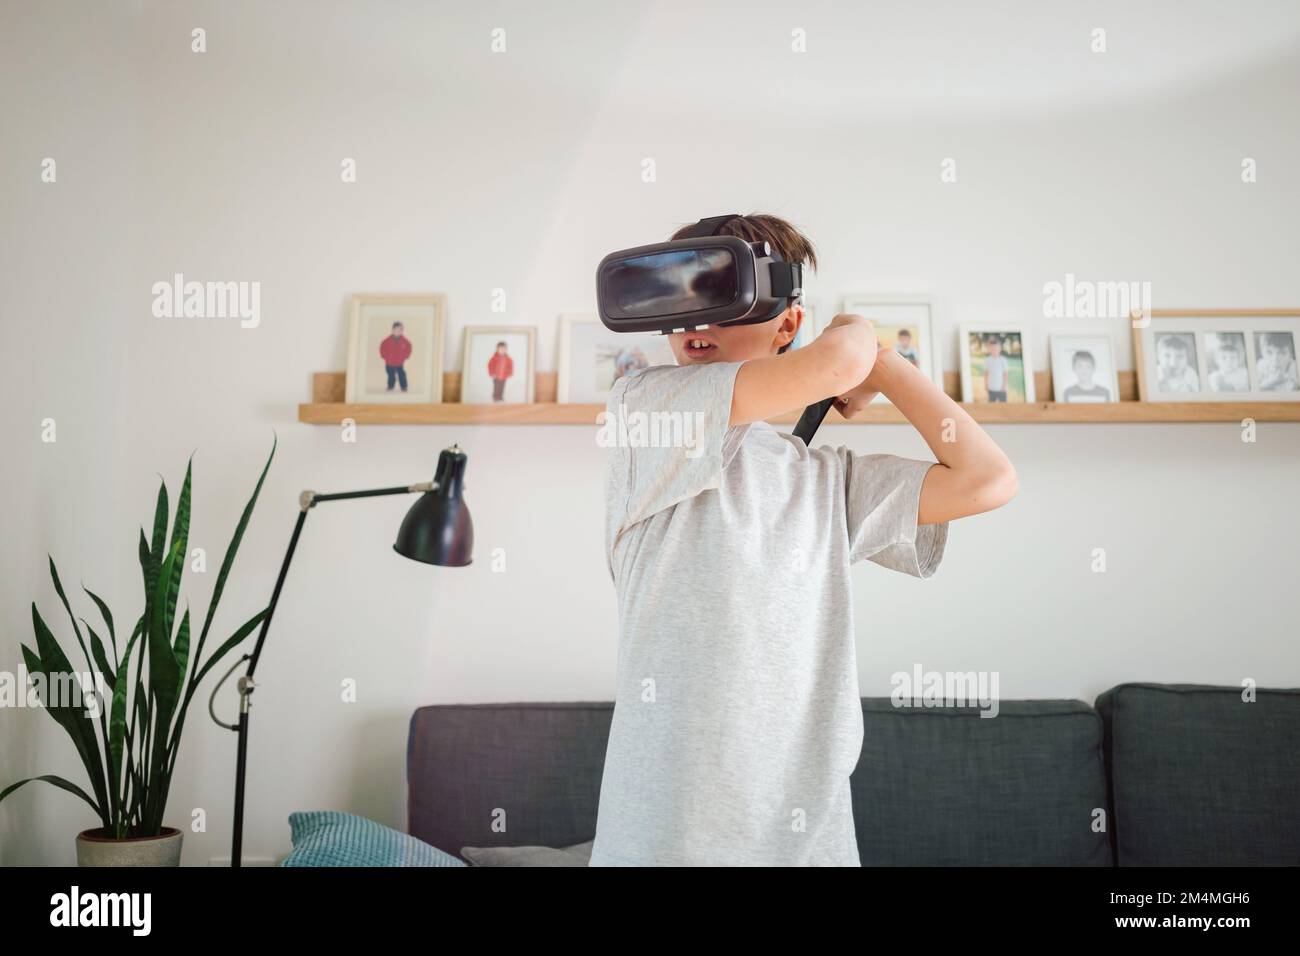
point(130, 752)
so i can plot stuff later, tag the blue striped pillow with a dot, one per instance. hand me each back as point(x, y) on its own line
point(334, 838)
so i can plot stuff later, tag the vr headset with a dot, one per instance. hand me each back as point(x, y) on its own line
point(692, 283)
point(700, 280)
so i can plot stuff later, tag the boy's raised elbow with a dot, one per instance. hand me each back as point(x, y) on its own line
point(1000, 486)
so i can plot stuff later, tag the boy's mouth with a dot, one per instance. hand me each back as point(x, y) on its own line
point(696, 346)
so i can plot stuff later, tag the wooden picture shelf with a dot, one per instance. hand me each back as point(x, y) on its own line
point(328, 408)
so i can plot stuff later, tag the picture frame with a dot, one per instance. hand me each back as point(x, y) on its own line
point(898, 318)
point(1083, 368)
point(498, 364)
point(1218, 355)
point(592, 358)
point(1012, 341)
point(372, 377)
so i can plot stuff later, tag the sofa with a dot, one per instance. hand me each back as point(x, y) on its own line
point(1152, 775)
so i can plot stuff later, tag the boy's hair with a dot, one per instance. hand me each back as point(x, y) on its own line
point(786, 241)
point(1279, 340)
point(1083, 355)
point(1174, 342)
point(904, 333)
point(396, 324)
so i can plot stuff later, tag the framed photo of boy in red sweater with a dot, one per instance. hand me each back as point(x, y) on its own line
point(395, 348)
point(498, 364)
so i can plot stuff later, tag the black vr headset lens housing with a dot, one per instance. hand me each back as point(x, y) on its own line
point(693, 283)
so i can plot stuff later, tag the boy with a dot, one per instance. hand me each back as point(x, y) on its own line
point(1229, 354)
point(905, 348)
point(395, 349)
point(1174, 372)
point(995, 370)
point(1084, 388)
point(1276, 365)
point(737, 719)
point(500, 368)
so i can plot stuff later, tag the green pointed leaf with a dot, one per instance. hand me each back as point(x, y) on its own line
point(58, 589)
point(158, 549)
point(181, 529)
point(182, 648)
point(59, 782)
point(117, 715)
point(52, 663)
point(107, 615)
point(163, 670)
point(229, 560)
point(101, 660)
point(231, 643)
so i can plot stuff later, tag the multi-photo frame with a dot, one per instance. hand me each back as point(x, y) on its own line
point(1217, 355)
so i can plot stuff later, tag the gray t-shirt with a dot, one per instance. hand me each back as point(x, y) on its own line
point(737, 717)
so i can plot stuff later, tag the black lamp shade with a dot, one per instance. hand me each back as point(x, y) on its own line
point(438, 529)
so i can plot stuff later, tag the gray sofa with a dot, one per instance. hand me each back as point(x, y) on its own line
point(1154, 775)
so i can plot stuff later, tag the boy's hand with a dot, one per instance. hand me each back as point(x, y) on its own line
point(852, 402)
point(856, 399)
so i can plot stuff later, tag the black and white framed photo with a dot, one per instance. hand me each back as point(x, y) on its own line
point(995, 365)
point(1217, 355)
point(1083, 369)
point(592, 358)
point(395, 348)
point(904, 323)
point(498, 364)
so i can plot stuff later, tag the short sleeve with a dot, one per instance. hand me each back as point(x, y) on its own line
point(883, 499)
point(667, 438)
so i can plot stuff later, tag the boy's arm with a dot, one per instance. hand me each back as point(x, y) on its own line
point(973, 475)
point(831, 364)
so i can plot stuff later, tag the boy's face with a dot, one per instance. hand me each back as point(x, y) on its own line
point(1229, 360)
point(736, 343)
point(1172, 357)
point(397, 331)
point(501, 350)
point(1083, 370)
point(1272, 353)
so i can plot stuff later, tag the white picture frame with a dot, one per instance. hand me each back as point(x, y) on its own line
point(892, 315)
point(1083, 368)
point(488, 349)
point(1179, 355)
point(1011, 337)
point(592, 357)
point(370, 376)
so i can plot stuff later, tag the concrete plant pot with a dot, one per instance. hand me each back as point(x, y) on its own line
point(96, 848)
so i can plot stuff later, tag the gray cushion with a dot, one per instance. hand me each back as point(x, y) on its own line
point(533, 767)
point(579, 855)
point(946, 787)
point(1202, 778)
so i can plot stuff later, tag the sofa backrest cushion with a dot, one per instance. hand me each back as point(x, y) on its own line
point(1200, 777)
point(947, 787)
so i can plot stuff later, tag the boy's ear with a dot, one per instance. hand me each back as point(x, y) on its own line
point(791, 320)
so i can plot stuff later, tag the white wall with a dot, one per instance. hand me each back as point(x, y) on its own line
point(519, 171)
